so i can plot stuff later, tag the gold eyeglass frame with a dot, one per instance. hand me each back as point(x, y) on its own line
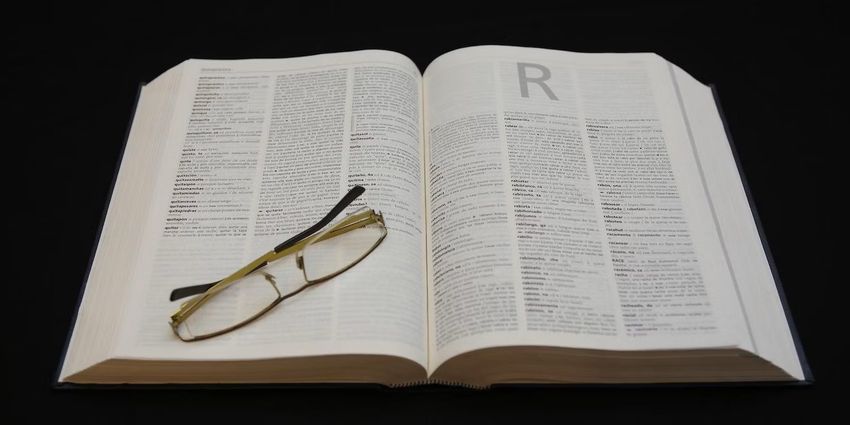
point(363, 217)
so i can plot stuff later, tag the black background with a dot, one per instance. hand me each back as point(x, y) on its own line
point(69, 78)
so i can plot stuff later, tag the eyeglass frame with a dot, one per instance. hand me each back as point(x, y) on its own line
point(297, 244)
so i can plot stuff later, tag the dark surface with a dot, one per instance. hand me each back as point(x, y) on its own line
point(68, 82)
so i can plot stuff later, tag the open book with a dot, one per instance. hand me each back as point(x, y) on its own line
point(553, 217)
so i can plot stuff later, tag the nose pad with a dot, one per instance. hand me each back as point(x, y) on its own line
point(270, 278)
point(299, 261)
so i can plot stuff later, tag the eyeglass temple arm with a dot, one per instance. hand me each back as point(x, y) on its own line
point(349, 197)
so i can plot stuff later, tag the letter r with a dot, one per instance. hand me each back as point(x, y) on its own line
point(524, 79)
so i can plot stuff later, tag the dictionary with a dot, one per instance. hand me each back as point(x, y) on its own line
point(551, 218)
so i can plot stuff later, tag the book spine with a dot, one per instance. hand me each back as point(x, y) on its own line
point(429, 381)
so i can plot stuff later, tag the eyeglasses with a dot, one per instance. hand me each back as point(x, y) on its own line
point(252, 291)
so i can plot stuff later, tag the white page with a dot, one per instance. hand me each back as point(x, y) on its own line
point(269, 148)
point(772, 339)
point(545, 211)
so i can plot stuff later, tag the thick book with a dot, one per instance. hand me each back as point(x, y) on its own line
point(552, 218)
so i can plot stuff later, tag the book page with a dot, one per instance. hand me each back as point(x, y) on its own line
point(747, 256)
point(261, 150)
point(565, 208)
